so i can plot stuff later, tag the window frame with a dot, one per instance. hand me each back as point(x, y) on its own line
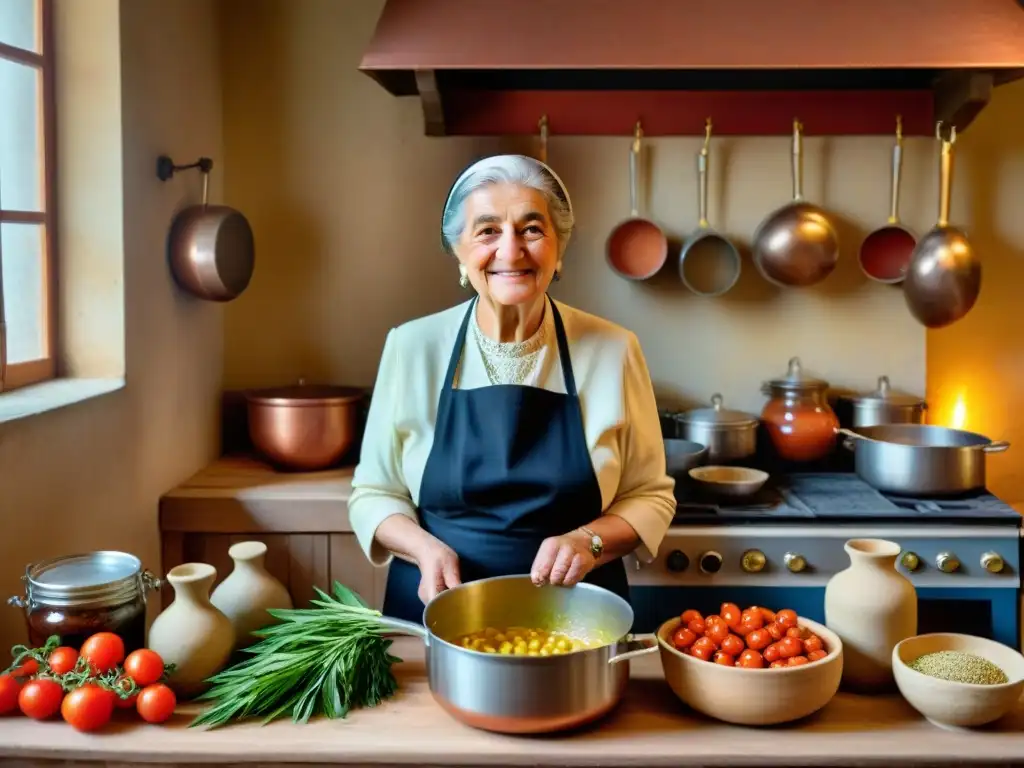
point(17, 375)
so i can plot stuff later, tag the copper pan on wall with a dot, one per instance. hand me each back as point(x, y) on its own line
point(210, 247)
point(797, 244)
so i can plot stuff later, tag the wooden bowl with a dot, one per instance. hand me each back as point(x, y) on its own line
point(753, 696)
point(953, 705)
point(730, 482)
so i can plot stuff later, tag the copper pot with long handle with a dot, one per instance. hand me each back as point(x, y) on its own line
point(944, 277)
point(797, 244)
point(210, 247)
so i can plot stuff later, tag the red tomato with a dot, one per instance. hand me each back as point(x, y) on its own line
point(772, 653)
point(732, 645)
point(62, 660)
point(816, 655)
point(690, 615)
point(683, 638)
point(796, 661)
point(717, 632)
point(27, 668)
point(697, 626)
point(777, 664)
point(751, 659)
point(786, 618)
point(751, 620)
point(703, 648)
point(724, 659)
point(10, 687)
point(813, 643)
point(88, 708)
point(769, 616)
point(40, 699)
point(731, 613)
point(790, 647)
point(759, 639)
point(795, 632)
point(128, 703)
point(776, 631)
point(144, 666)
point(103, 651)
point(156, 703)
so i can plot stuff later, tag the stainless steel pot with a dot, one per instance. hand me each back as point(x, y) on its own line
point(681, 456)
point(526, 694)
point(918, 460)
point(728, 435)
point(886, 406)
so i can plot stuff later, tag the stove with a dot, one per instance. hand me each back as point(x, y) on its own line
point(781, 547)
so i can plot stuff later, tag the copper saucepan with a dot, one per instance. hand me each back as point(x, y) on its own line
point(210, 247)
point(797, 244)
point(944, 277)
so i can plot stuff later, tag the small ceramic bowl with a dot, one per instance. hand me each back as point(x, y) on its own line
point(729, 482)
point(952, 705)
point(753, 696)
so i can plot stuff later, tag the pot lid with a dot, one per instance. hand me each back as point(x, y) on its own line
point(716, 415)
point(886, 394)
point(796, 379)
point(84, 577)
point(303, 394)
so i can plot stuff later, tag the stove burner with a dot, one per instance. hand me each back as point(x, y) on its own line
point(838, 497)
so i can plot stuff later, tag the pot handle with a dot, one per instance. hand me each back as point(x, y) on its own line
point(997, 447)
point(402, 627)
point(634, 646)
point(850, 438)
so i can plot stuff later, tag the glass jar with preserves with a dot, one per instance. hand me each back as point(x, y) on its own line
point(79, 595)
point(800, 423)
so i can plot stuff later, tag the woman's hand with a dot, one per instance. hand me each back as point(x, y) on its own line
point(564, 560)
point(439, 570)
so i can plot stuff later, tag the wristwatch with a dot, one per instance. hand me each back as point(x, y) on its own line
point(596, 543)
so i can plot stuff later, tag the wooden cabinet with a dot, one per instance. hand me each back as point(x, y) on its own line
point(302, 518)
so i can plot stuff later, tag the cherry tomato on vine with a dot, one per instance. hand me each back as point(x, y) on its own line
point(156, 703)
point(62, 660)
point(144, 666)
point(103, 651)
point(9, 690)
point(88, 708)
point(40, 699)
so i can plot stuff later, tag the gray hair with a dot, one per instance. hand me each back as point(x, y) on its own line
point(508, 169)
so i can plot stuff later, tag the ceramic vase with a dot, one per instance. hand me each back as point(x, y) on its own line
point(192, 634)
point(249, 592)
point(872, 607)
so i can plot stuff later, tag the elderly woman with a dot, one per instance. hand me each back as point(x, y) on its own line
point(510, 434)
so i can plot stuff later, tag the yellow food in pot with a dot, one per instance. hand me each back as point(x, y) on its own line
point(523, 641)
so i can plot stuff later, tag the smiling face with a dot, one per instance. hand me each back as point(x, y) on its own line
point(508, 247)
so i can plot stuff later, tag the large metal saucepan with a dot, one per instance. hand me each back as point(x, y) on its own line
point(919, 460)
point(524, 694)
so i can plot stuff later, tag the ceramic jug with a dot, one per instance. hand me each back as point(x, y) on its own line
point(192, 634)
point(872, 607)
point(246, 595)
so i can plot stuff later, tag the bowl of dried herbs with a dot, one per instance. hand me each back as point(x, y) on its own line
point(958, 681)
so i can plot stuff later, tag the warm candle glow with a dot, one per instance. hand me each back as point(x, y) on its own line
point(959, 416)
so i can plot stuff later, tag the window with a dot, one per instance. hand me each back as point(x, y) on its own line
point(27, 238)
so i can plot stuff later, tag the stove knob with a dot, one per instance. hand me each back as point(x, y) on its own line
point(796, 563)
point(992, 562)
point(710, 562)
point(753, 561)
point(677, 561)
point(910, 561)
point(947, 562)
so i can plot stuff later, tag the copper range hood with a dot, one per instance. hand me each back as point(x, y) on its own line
point(484, 66)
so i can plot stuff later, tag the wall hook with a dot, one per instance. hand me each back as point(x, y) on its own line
point(165, 167)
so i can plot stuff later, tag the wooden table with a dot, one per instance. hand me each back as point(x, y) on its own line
point(650, 728)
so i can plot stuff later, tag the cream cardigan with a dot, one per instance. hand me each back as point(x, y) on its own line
point(620, 420)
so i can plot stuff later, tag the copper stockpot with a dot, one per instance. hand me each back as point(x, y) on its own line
point(304, 427)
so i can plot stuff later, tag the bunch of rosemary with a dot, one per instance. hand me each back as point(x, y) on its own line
point(324, 660)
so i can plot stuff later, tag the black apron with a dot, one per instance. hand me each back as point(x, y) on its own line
point(509, 467)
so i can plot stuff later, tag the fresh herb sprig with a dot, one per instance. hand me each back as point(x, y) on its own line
point(325, 660)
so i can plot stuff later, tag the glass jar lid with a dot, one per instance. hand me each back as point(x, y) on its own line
point(718, 416)
point(796, 380)
point(93, 579)
point(884, 394)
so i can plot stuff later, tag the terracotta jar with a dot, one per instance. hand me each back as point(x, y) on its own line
point(249, 593)
point(800, 422)
point(191, 633)
point(872, 607)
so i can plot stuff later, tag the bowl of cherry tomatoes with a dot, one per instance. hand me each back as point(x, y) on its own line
point(753, 666)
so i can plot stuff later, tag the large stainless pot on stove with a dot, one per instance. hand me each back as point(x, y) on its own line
point(885, 406)
point(728, 435)
point(918, 460)
point(524, 694)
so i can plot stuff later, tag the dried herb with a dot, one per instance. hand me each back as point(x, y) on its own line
point(325, 660)
point(959, 667)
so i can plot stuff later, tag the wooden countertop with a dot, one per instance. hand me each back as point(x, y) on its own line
point(650, 728)
point(245, 495)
